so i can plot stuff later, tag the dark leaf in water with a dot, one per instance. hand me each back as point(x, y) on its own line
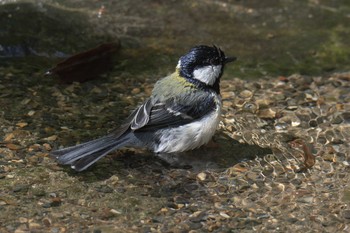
point(86, 65)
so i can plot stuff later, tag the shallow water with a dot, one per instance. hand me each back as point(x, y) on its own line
point(269, 38)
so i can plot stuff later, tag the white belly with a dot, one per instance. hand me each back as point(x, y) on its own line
point(190, 136)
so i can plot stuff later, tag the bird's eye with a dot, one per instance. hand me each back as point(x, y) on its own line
point(208, 61)
point(213, 61)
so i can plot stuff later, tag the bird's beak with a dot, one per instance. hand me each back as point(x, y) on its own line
point(230, 59)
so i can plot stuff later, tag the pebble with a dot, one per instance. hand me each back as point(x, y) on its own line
point(307, 199)
point(23, 220)
point(34, 226)
point(22, 124)
point(135, 91)
point(202, 176)
point(8, 137)
point(223, 214)
point(31, 113)
point(113, 211)
point(51, 138)
point(246, 94)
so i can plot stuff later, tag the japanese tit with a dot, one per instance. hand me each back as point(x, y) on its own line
point(182, 113)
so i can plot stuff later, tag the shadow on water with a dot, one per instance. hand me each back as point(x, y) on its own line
point(221, 154)
point(217, 156)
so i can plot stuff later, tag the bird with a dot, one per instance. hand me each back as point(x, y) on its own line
point(182, 113)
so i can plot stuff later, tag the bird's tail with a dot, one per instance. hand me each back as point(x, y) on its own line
point(82, 156)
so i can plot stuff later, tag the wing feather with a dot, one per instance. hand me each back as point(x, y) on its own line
point(152, 115)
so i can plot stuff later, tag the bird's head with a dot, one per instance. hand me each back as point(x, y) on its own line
point(204, 64)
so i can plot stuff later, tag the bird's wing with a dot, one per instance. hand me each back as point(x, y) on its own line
point(160, 114)
point(138, 118)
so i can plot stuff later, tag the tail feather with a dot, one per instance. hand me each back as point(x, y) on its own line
point(71, 154)
point(85, 162)
point(84, 155)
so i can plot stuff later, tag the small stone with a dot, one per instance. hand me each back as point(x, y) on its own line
point(57, 215)
point(34, 147)
point(202, 176)
point(295, 123)
point(23, 220)
point(107, 214)
point(307, 199)
point(227, 95)
point(51, 138)
point(82, 202)
point(116, 212)
point(8, 137)
point(223, 214)
point(135, 91)
point(31, 113)
point(53, 195)
point(22, 124)
point(179, 206)
point(47, 146)
point(10, 176)
point(246, 94)
point(34, 226)
point(292, 107)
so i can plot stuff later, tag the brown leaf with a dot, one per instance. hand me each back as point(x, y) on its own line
point(86, 65)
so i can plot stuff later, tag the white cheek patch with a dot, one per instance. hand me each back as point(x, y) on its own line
point(207, 74)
